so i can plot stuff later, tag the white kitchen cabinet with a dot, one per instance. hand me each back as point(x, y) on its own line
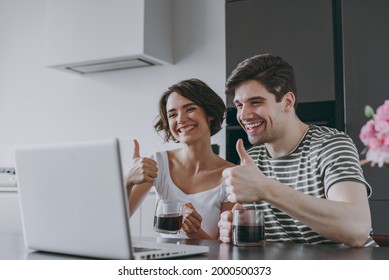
point(143, 220)
point(135, 226)
point(10, 219)
point(147, 215)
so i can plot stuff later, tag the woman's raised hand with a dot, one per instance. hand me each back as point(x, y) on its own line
point(142, 169)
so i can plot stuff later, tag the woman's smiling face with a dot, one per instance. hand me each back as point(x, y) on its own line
point(187, 121)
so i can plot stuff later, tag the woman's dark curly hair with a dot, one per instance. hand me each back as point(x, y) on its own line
point(202, 95)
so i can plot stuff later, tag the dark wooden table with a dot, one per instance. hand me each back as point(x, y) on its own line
point(12, 248)
point(284, 251)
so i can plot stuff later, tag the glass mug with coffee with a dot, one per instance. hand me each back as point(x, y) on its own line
point(248, 227)
point(168, 216)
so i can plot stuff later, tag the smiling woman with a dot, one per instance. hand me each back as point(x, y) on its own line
point(190, 112)
point(199, 94)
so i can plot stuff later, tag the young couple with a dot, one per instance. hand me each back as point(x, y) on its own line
point(307, 179)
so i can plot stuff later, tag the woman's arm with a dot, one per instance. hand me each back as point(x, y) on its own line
point(226, 206)
point(140, 178)
point(136, 195)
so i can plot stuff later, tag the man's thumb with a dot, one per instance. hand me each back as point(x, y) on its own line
point(136, 153)
point(243, 155)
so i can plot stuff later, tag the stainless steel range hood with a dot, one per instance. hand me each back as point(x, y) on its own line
point(92, 36)
point(109, 65)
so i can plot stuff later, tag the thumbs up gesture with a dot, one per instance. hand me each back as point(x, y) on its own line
point(245, 180)
point(142, 169)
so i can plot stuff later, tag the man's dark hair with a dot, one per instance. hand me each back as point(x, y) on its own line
point(274, 73)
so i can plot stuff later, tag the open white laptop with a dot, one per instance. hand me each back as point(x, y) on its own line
point(73, 201)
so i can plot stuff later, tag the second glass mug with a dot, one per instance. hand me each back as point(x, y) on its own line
point(168, 216)
point(248, 227)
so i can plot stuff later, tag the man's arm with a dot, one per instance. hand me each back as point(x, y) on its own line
point(344, 217)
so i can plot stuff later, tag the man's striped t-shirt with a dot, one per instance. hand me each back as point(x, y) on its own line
point(324, 157)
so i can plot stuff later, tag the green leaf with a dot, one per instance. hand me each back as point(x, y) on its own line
point(364, 151)
point(369, 112)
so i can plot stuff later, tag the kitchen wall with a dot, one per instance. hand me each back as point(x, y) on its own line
point(39, 104)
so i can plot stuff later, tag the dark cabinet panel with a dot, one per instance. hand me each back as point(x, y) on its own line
point(379, 215)
point(366, 59)
point(300, 31)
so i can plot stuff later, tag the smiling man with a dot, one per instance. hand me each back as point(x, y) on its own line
point(306, 178)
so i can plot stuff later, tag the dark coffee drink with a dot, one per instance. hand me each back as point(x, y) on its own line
point(171, 222)
point(243, 234)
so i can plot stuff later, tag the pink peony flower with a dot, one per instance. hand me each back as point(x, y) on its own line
point(382, 117)
point(367, 132)
point(375, 135)
point(383, 111)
